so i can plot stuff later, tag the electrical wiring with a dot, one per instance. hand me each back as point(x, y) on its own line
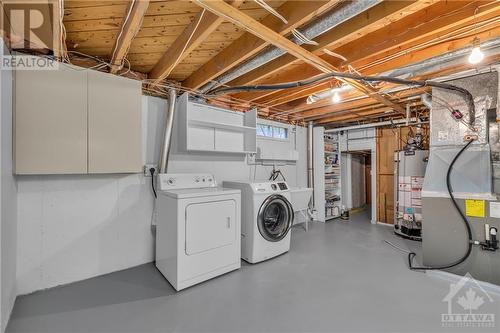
point(464, 219)
point(303, 38)
point(333, 54)
point(397, 247)
point(422, 23)
point(469, 99)
point(176, 62)
point(131, 6)
point(271, 10)
point(62, 40)
point(449, 37)
point(152, 87)
point(152, 172)
point(299, 35)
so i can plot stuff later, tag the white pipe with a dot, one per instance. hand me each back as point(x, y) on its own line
point(408, 113)
point(310, 169)
point(413, 121)
point(165, 149)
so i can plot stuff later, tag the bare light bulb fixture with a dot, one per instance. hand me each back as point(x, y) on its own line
point(336, 97)
point(476, 55)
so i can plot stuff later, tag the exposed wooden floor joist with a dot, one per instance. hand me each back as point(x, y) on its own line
point(384, 37)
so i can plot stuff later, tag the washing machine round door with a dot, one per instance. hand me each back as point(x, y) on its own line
point(275, 218)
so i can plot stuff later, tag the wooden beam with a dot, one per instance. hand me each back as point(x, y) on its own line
point(248, 45)
point(131, 25)
point(237, 17)
point(325, 110)
point(407, 33)
point(193, 35)
point(375, 18)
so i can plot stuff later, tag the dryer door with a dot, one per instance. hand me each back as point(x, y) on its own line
point(275, 218)
point(210, 225)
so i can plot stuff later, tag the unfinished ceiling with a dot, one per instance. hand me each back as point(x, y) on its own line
point(204, 44)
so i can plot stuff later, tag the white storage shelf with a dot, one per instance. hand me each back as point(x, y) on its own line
point(206, 128)
point(327, 174)
point(332, 177)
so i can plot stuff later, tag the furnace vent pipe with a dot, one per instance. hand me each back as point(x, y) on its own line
point(165, 148)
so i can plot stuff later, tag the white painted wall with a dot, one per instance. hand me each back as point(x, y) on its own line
point(8, 199)
point(358, 180)
point(75, 227)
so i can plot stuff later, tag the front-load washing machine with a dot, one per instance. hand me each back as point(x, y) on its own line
point(197, 230)
point(266, 218)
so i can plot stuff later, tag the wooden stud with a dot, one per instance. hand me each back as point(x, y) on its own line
point(248, 45)
point(130, 26)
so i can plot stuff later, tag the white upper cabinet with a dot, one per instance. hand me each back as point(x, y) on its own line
point(114, 124)
point(76, 121)
point(50, 135)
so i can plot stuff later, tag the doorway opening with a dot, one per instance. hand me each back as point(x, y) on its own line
point(357, 189)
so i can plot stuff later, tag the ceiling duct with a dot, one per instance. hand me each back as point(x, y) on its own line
point(313, 30)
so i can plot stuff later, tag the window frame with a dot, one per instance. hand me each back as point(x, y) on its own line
point(273, 128)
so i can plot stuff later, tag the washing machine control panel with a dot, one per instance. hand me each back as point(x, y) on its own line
point(283, 186)
point(270, 187)
point(171, 181)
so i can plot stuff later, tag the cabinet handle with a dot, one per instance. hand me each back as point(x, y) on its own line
point(228, 222)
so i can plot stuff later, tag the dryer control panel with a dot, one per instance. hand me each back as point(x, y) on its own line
point(171, 181)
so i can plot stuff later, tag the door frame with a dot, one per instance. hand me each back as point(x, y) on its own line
point(368, 143)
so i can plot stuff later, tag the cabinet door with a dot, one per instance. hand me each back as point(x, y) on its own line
point(114, 120)
point(210, 225)
point(50, 121)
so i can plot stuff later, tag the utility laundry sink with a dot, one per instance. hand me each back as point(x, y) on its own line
point(300, 197)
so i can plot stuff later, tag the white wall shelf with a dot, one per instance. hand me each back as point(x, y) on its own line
point(207, 128)
point(229, 127)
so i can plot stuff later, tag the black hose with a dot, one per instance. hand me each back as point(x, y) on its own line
point(411, 255)
point(419, 83)
point(152, 172)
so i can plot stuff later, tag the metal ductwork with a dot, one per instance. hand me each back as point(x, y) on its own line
point(165, 148)
point(320, 26)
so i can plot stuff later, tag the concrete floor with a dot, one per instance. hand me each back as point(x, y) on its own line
point(338, 277)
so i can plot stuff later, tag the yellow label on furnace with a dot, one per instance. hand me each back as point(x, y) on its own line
point(474, 208)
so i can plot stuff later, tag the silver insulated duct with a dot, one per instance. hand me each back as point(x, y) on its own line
point(165, 148)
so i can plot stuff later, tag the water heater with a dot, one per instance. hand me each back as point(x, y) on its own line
point(409, 172)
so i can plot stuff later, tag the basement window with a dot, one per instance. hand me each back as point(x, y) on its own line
point(273, 132)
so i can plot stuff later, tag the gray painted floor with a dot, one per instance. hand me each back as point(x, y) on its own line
point(338, 277)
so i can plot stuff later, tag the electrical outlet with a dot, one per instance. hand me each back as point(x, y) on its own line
point(147, 167)
point(251, 158)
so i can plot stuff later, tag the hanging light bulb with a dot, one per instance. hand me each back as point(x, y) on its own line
point(336, 97)
point(476, 55)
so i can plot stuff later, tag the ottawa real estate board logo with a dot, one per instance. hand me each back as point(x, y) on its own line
point(30, 27)
point(468, 305)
